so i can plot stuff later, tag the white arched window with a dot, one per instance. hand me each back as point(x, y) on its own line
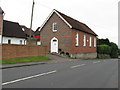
point(77, 39)
point(90, 42)
point(94, 42)
point(84, 40)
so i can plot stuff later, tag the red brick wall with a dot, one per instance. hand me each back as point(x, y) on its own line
point(81, 48)
point(11, 51)
point(63, 34)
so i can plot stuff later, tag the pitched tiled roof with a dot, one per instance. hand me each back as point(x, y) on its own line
point(27, 30)
point(12, 29)
point(76, 24)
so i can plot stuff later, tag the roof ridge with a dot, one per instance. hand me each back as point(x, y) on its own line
point(79, 25)
point(69, 16)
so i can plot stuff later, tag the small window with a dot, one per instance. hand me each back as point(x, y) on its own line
point(77, 40)
point(94, 42)
point(84, 40)
point(90, 42)
point(24, 42)
point(20, 41)
point(9, 41)
point(54, 27)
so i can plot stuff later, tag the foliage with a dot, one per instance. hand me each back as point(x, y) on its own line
point(118, 51)
point(103, 49)
point(103, 41)
point(114, 50)
point(104, 46)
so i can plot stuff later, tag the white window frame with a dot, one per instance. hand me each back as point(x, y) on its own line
point(20, 41)
point(24, 42)
point(84, 40)
point(90, 42)
point(54, 25)
point(94, 42)
point(77, 39)
point(9, 41)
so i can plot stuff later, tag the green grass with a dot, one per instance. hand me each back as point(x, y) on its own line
point(24, 59)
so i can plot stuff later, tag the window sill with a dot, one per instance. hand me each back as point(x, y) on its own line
point(76, 46)
point(54, 30)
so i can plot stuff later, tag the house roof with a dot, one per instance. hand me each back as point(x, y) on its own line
point(37, 32)
point(1, 11)
point(77, 25)
point(72, 23)
point(27, 30)
point(12, 29)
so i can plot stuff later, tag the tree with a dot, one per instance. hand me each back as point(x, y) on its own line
point(119, 52)
point(103, 41)
point(114, 50)
point(103, 49)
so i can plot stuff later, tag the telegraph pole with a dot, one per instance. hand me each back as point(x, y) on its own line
point(31, 22)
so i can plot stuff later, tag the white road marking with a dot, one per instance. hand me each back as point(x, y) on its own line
point(77, 66)
point(96, 62)
point(30, 77)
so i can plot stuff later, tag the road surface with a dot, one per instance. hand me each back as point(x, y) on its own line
point(67, 74)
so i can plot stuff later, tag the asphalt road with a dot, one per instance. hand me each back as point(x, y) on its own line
point(67, 74)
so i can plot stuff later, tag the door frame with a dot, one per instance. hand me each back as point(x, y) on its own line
point(51, 45)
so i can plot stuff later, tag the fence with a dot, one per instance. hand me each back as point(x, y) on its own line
point(12, 51)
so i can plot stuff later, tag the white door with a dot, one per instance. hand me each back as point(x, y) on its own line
point(54, 45)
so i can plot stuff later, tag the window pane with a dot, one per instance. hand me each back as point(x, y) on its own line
point(90, 43)
point(94, 42)
point(84, 40)
point(9, 41)
point(54, 27)
point(77, 39)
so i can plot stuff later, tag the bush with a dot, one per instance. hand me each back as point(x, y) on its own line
point(114, 50)
point(118, 51)
point(103, 49)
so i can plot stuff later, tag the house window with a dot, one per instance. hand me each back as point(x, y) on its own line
point(24, 42)
point(20, 41)
point(9, 41)
point(84, 40)
point(54, 27)
point(77, 39)
point(94, 42)
point(90, 43)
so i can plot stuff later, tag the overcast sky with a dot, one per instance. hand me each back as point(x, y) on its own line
point(100, 15)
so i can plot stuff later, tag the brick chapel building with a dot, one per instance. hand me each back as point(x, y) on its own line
point(61, 33)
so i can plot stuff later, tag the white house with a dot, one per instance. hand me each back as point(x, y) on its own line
point(12, 33)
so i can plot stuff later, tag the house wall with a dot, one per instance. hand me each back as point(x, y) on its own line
point(1, 23)
point(63, 34)
point(81, 48)
point(12, 51)
point(13, 40)
point(66, 39)
point(81, 51)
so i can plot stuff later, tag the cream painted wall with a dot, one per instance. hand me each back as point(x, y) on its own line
point(13, 40)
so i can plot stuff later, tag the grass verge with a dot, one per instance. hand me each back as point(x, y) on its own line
point(24, 59)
